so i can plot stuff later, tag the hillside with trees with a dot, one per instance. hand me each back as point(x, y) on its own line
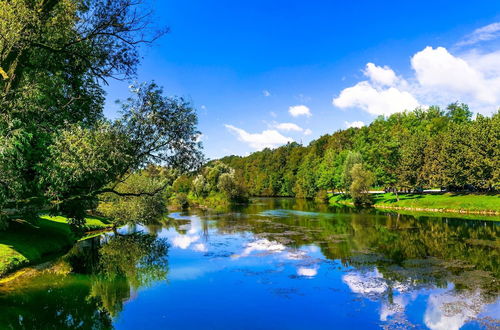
point(408, 151)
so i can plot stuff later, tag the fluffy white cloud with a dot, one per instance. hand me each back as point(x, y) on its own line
point(437, 69)
point(486, 63)
point(184, 241)
point(200, 247)
point(307, 272)
point(439, 316)
point(266, 139)
point(299, 110)
point(439, 78)
point(266, 93)
point(288, 127)
point(377, 101)
point(357, 124)
point(307, 131)
point(261, 245)
point(380, 75)
point(366, 283)
point(485, 33)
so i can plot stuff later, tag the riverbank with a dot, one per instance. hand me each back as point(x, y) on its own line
point(481, 204)
point(25, 243)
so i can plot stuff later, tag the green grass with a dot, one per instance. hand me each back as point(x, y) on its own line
point(25, 243)
point(435, 202)
point(441, 201)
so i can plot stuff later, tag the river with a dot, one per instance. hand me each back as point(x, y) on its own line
point(274, 264)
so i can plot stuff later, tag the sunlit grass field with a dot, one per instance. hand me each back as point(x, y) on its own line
point(436, 201)
point(24, 242)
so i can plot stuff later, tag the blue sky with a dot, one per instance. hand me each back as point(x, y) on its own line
point(262, 73)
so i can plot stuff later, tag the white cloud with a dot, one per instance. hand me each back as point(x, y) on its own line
point(485, 33)
point(357, 124)
point(266, 93)
point(266, 139)
point(200, 247)
point(308, 272)
point(380, 75)
point(184, 241)
point(439, 316)
point(307, 131)
point(366, 283)
point(288, 127)
point(273, 114)
point(299, 110)
point(398, 305)
point(437, 69)
point(262, 245)
point(486, 63)
point(439, 78)
point(296, 255)
point(377, 101)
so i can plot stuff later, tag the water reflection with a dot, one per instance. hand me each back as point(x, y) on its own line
point(391, 259)
point(293, 263)
point(88, 286)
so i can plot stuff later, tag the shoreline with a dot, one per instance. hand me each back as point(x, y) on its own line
point(30, 244)
point(419, 209)
point(439, 204)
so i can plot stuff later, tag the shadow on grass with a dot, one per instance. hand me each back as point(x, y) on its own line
point(393, 199)
point(29, 242)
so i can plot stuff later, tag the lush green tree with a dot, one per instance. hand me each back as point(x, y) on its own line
point(182, 184)
point(144, 208)
point(352, 159)
point(458, 113)
point(362, 180)
point(200, 186)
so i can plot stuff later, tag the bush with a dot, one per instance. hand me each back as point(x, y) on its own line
point(322, 196)
point(180, 200)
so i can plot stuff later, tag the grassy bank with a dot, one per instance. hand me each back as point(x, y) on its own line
point(25, 243)
point(436, 202)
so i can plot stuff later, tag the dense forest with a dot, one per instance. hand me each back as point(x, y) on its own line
point(408, 151)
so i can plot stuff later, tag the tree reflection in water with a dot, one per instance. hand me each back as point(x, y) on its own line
point(393, 257)
point(104, 271)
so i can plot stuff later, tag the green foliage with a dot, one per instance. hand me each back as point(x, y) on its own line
point(218, 177)
point(134, 206)
point(361, 181)
point(140, 258)
point(182, 184)
point(24, 243)
point(200, 186)
point(408, 151)
point(57, 152)
point(179, 200)
point(459, 113)
point(435, 202)
point(352, 159)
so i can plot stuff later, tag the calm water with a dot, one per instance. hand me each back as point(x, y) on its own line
point(275, 264)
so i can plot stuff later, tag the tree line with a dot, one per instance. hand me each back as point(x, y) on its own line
point(407, 151)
